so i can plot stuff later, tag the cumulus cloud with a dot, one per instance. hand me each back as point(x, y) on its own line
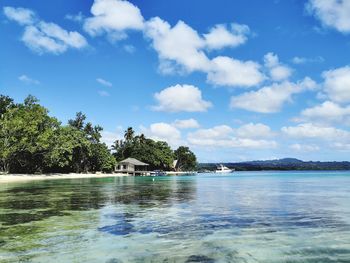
point(182, 49)
point(327, 112)
point(220, 36)
point(186, 124)
point(332, 13)
point(20, 15)
point(254, 130)
point(226, 71)
point(43, 37)
point(28, 80)
point(337, 84)
point(277, 71)
point(113, 17)
point(109, 137)
point(224, 136)
point(104, 82)
point(314, 131)
point(180, 43)
point(163, 132)
point(181, 98)
point(270, 99)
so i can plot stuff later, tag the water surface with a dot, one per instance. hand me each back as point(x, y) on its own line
point(243, 217)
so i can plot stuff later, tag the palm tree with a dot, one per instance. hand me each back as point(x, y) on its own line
point(129, 134)
point(142, 138)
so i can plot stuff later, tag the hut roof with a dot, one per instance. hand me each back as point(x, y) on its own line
point(133, 161)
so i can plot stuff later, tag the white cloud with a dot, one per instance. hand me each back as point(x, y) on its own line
point(332, 13)
point(104, 82)
point(303, 60)
point(337, 84)
point(163, 132)
point(180, 43)
point(224, 136)
point(182, 49)
point(313, 131)
point(113, 17)
point(76, 18)
point(186, 124)
point(103, 93)
point(43, 37)
point(341, 146)
point(28, 80)
point(254, 130)
point(278, 71)
point(109, 137)
point(226, 71)
point(22, 16)
point(327, 112)
point(304, 147)
point(51, 38)
point(270, 99)
point(220, 36)
point(181, 98)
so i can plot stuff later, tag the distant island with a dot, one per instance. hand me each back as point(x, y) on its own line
point(286, 164)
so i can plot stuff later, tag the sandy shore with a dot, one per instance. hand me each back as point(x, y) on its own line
point(11, 178)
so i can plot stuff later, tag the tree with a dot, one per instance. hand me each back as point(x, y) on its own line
point(5, 103)
point(157, 154)
point(101, 158)
point(69, 151)
point(32, 141)
point(25, 136)
point(79, 121)
point(129, 134)
point(92, 155)
point(186, 159)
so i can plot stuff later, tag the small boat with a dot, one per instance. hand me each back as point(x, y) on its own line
point(223, 169)
point(158, 173)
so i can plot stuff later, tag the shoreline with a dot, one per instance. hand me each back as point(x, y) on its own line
point(13, 178)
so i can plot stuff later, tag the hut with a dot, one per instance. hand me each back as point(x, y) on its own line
point(131, 165)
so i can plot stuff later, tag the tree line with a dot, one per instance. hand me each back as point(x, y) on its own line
point(31, 141)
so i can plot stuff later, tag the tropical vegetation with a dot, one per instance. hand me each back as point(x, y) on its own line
point(157, 154)
point(31, 141)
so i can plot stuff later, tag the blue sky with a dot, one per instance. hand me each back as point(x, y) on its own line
point(234, 80)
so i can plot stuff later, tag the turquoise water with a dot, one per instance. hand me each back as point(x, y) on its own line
point(244, 217)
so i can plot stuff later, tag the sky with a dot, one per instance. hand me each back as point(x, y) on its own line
point(233, 80)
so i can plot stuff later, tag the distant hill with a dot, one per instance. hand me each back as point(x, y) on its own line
point(279, 164)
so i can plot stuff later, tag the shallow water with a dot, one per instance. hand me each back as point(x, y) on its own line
point(244, 217)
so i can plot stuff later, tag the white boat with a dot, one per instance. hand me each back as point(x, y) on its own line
point(223, 169)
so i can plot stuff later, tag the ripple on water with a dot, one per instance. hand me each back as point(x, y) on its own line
point(177, 219)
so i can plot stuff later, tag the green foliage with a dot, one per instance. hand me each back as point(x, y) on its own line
point(5, 104)
point(157, 154)
point(25, 136)
point(31, 141)
point(101, 158)
point(186, 159)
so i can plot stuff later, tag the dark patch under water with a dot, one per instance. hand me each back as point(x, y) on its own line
point(205, 224)
point(21, 218)
point(199, 258)
point(55, 197)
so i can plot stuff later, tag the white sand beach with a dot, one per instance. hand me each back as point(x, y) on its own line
point(11, 178)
